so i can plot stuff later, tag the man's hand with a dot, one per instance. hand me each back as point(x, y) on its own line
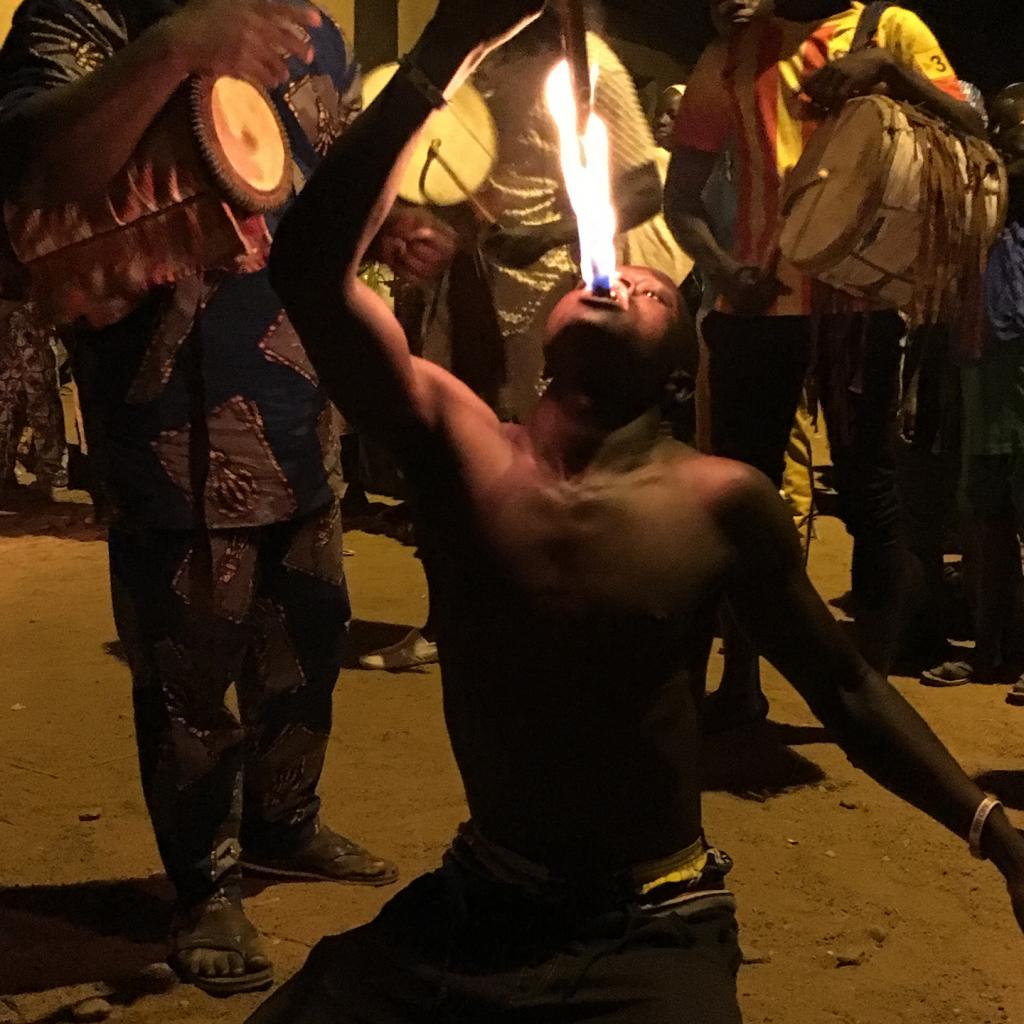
point(416, 245)
point(749, 290)
point(249, 39)
point(854, 75)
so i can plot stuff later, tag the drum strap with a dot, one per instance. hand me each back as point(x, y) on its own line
point(867, 28)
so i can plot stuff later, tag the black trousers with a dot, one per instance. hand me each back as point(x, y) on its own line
point(265, 609)
point(457, 948)
point(758, 366)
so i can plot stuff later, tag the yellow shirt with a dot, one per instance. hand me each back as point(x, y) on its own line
point(750, 88)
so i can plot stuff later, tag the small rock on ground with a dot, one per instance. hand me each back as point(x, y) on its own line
point(91, 1010)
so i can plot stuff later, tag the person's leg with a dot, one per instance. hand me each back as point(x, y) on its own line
point(43, 409)
point(285, 695)
point(185, 640)
point(10, 391)
point(418, 647)
point(756, 371)
point(927, 483)
point(390, 971)
point(798, 476)
point(633, 967)
point(860, 409)
point(355, 502)
point(1015, 617)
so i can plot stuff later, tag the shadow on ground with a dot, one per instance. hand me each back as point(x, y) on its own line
point(758, 762)
point(24, 513)
point(56, 936)
point(107, 933)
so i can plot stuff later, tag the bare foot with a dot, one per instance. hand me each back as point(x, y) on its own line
point(215, 948)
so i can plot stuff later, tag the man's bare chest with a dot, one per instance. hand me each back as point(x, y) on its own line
point(634, 544)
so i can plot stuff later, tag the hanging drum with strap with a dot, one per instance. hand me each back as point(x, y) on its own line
point(889, 204)
point(191, 199)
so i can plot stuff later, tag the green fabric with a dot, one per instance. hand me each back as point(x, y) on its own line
point(994, 401)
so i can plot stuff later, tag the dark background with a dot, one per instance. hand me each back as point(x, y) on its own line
point(983, 38)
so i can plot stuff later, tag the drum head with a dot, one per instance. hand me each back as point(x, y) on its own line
point(833, 194)
point(241, 136)
point(462, 134)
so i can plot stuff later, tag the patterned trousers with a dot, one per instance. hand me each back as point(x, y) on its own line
point(29, 393)
point(264, 610)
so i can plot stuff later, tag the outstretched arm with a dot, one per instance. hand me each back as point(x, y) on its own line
point(357, 346)
point(880, 732)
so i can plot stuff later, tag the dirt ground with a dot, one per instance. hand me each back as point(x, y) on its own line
point(829, 868)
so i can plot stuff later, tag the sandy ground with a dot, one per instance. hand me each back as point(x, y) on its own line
point(829, 866)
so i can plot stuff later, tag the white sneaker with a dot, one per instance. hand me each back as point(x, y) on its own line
point(412, 651)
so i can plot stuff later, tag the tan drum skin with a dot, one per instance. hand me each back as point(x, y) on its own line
point(855, 209)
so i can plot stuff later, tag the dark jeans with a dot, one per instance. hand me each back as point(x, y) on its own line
point(264, 609)
point(457, 948)
point(758, 366)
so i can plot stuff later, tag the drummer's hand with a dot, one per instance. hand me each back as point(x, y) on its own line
point(749, 290)
point(416, 245)
point(249, 39)
point(517, 248)
point(853, 75)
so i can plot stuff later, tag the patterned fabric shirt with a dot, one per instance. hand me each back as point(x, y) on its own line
point(750, 88)
point(205, 388)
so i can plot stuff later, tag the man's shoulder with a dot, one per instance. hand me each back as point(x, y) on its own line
point(900, 21)
point(720, 484)
point(114, 15)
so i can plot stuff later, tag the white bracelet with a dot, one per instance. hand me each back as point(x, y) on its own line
point(985, 808)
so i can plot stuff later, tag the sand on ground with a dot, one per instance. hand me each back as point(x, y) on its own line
point(829, 867)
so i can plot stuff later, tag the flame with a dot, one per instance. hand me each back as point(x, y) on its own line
point(586, 165)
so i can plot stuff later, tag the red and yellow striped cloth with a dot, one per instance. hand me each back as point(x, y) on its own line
point(750, 89)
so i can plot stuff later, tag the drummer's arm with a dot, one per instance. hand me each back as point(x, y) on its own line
point(907, 83)
point(70, 137)
point(357, 346)
point(703, 130)
point(686, 215)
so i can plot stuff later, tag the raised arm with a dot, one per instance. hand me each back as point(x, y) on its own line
point(879, 731)
point(357, 346)
point(66, 133)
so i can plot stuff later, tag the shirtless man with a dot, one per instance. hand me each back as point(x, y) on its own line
point(583, 558)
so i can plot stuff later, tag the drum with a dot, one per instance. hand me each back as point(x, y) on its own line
point(240, 134)
point(889, 205)
point(190, 200)
point(455, 152)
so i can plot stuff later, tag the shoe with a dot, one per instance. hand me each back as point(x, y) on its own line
point(327, 857)
point(959, 673)
point(412, 651)
point(948, 674)
point(215, 948)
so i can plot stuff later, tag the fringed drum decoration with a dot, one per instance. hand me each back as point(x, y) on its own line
point(191, 199)
point(889, 205)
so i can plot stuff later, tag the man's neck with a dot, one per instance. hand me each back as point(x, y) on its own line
point(569, 437)
point(811, 10)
